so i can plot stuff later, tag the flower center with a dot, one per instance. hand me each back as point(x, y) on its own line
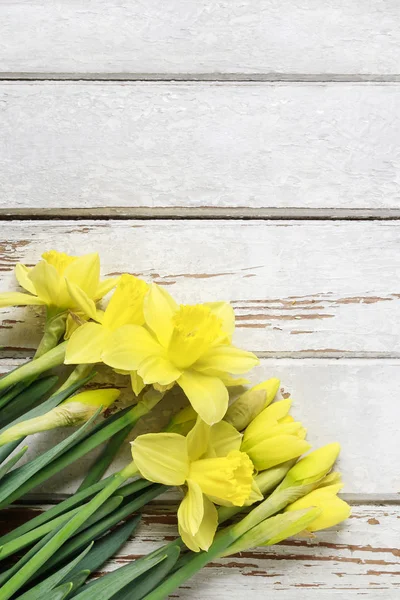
point(59, 260)
point(196, 328)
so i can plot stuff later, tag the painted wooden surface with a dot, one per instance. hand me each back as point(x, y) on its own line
point(86, 145)
point(283, 111)
point(200, 37)
point(296, 286)
point(360, 558)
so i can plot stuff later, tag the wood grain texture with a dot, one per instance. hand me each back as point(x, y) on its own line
point(237, 36)
point(358, 558)
point(327, 287)
point(351, 401)
point(301, 146)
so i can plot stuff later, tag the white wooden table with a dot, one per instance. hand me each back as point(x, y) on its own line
point(238, 150)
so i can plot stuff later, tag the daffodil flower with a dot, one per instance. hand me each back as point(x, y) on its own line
point(273, 437)
point(189, 345)
point(209, 463)
point(333, 510)
point(89, 342)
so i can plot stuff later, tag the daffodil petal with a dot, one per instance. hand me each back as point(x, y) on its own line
point(128, 346)
point(206, 532)
point(95, 398)
point(81, 300)
point(198, 439)
point(224, 438)
point(84, 272)
point(159, 308)
point(21, 273)
point(18, 299)
point(86, 344)
point(208, 395)
point(104, 287)
point(228, 359)
point(224, 311)
point(46, 281)
point(191, 509)
point(156, 369)
point(276, 450)
point(161, 457)
point(137, 383)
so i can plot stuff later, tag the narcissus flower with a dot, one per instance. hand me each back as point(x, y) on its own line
point(88, 343)
point(72, 412)
point(189, 345)
point(312, 468)
point(208, 462)
point(333, 510)
point(273, 437)
point(60, 282)
point(251, 403)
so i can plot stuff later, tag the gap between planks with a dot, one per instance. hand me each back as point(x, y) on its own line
point(201, 213)
point(204, 77)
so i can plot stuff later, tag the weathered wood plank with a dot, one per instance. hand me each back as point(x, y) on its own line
point(328, 287)
point(359, 557)
point(87, 145)
point(200, 37)
point(348, 400)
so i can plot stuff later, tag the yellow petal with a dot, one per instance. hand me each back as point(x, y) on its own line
point(228, 359)
point(224, 311)
point(95, 398)
point(47, 283)
point(191, 509)
point(81, 300)
point(84, 272)
point(198, 439)
point(208, 395)
point(137, 383)
point(224, 438)
point(128, 346)
point(86, 344)
point(59, 260)
point(104, 287)
point(21, 273)
point(18, 299)
point(159, 308)
point(276, 450)
point(271, 387)
point(162, 457)
point(312, 467)
point(267, 418)
point(156, 369)
point(333, 509)
point(206, 532)
point(126, 303)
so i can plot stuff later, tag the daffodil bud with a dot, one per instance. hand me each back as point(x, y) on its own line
point(274, 530)
point(312, 468)
point(273, 437)
point(333, 510)
point(71, 412)
point(251, 403)
point(183, 421)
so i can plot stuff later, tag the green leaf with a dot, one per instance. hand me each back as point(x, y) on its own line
point(138, 589)
point(61, 592)
point(107, 546)
point(7, 395)
point(14, 480)
point(26, 400)
point(40, 590)
point(13, 461)
point(79, 579)
point(107, 586)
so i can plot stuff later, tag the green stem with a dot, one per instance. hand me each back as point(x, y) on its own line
point(51, 359)
point(79, 372)
point(61, 536)
point(198, 561)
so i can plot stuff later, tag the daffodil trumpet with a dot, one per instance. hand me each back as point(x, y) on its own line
point(74, 411)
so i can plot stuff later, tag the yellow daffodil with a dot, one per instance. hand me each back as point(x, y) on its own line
point(208, 462)
point(72, 412)
point(60, 282)
point(312, 468)
point(189, 345)
point(273, 437)
point(251, 403)
point(89, 342)
point(333, 510)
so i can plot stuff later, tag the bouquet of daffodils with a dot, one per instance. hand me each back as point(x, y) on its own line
point(237, 462)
